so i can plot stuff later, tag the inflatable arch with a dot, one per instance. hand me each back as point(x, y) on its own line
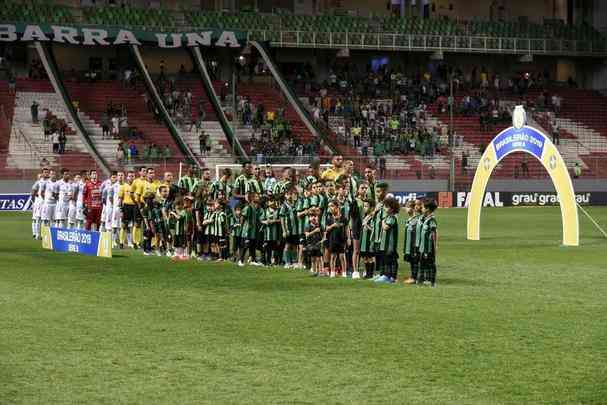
point(523, 138)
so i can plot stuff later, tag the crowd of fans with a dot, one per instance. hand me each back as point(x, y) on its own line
point(55, 130)
point(271, 138)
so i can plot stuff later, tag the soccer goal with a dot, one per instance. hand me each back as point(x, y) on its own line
point(299, 167)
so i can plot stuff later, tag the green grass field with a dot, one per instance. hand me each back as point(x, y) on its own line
point(516, 318)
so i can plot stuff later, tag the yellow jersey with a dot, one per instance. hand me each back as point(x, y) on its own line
point(137, 188)
point(126, 194)
point(331, 174)
point(148, 187)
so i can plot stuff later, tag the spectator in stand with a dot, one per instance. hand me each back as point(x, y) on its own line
point(133, 151)
point(126, 77)
point(577, 170)
point(525, 166)
point(62, 141)
point(203, 140)
point(12, 82)
point(556, 133)
point(154, 153)
point(166, 153)
point(34, 111)
point(105, 126)
point(120, 153)
point(382, 167)
point(464, 163)
point(115, 126)
point(55, 141)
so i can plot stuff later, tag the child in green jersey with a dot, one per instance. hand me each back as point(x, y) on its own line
point(180, 216)
point(367, 252)
point(301, 210)
point(220, 231)
point(314, 235)
point(250, 223)
point(288, 222)
point(409, 249)
point(271, 233)
point(389, 242)
point(428, 242)
point(188, 207)
point(204, 231)
point(236, 231)
point(336, 235)
point(357, 214)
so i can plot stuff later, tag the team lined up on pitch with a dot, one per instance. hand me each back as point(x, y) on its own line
point(331, 223)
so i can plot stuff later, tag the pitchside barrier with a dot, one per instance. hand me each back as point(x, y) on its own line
point(460, 199)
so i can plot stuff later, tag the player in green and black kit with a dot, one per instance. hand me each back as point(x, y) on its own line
point(388, 246)
point(357, 214)
point(367, 251)
point(381, 189)
point(271, 234)
point(288, 222)
point(236, 231)
point(250, 224)
point(181, 222)
point(301, 207)
point(220, 231)
point(208, 230)
point(409, 247)
point(223, 184)
point(239, 188)
point(427, 246)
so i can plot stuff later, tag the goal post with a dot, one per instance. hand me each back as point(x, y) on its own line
point(299, 167)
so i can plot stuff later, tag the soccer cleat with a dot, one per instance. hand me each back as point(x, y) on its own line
point(332, 275)
point(355, 275)
point(410, 281)
point(147, 253)
point(131, 245)
point(344, 275)
point(158, 253)
point(122, 246)
point(287, 266)
point(382, 280)
point(200, 259)
point(240, 264)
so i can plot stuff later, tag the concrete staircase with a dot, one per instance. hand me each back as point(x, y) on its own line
point(220, 149)
point(53, 103)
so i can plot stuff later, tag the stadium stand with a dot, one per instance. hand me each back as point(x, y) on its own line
point(35, 12)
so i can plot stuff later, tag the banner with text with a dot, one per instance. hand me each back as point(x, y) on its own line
point(105, 36)
point(530, 199)
point(15, 202)
point(77, 241)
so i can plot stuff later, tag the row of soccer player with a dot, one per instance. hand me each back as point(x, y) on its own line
point(327, 226)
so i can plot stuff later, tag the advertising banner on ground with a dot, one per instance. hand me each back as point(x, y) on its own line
point(531, 199)
point(77, 241)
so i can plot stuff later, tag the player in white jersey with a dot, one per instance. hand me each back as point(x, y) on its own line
point(64, 188)
point(107, 198)
point(51, 192)
point(116, 208)
point(75, 214)
point(37, 197)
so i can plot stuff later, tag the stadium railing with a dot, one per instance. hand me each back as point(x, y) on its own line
point(328, 31)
